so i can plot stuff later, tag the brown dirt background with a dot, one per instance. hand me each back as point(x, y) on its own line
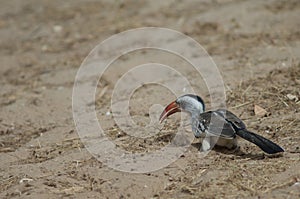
point(256, 45)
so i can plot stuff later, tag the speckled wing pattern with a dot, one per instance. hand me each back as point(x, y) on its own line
point(221, 123)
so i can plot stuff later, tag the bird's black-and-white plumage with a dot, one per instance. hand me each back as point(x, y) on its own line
point(217, 127)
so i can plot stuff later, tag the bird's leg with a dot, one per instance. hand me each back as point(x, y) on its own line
point(206, 144)
point(234, 144)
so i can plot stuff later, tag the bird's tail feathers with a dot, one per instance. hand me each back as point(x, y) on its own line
point(263, 143)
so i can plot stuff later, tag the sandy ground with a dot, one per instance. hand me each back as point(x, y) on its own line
point(256, 45)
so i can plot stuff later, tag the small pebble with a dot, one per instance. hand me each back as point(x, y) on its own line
point(57, 28)
point(292, 97)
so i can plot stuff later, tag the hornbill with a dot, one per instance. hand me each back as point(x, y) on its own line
point(219, 127)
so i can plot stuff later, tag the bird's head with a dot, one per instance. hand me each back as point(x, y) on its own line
point(189, 103)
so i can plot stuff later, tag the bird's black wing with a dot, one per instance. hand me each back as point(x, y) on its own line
point(215, 123)
point(231, 118)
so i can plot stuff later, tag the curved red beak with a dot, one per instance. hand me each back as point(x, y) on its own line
point(169, 110)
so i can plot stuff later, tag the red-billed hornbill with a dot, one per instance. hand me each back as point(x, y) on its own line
point(218, 127)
